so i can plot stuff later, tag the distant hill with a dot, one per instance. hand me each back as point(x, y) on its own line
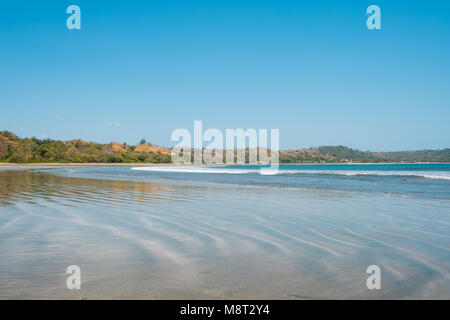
point(29, 150)
point(32, 150)
point(344, 154)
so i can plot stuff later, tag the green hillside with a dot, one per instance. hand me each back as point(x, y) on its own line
point(330, 154)
point(32, 150)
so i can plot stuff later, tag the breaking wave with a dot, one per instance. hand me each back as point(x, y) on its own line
point(226, 170)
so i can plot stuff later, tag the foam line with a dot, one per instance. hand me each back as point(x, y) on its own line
point(196, 169)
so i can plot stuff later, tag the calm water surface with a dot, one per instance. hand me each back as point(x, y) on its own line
point(167, 232)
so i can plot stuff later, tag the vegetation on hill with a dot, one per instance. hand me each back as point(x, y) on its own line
point(32, 150)
point(328, 154)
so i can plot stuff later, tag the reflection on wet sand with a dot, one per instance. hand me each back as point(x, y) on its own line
point(29, 185)
point(142, 239)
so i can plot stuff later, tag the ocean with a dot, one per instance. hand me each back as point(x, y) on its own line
point(226, 232)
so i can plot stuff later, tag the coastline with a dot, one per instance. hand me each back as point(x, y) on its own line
point(39, 166)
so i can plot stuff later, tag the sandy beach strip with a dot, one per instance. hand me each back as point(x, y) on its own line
point(40, 166)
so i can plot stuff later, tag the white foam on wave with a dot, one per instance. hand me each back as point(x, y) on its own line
point(189, 169)
point(443, 175)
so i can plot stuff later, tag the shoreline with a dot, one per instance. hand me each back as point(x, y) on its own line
point(39, 166)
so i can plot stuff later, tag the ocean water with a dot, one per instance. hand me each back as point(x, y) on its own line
point(226, 232)
point(426, 180)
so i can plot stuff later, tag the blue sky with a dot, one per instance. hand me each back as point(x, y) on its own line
point(140, 69)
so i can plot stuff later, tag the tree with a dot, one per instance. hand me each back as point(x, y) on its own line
point(143, 141)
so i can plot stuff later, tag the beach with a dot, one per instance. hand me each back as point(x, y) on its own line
point(39, 166)
point(155, 234)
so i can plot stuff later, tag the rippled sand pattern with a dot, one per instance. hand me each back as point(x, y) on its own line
point(137, 239)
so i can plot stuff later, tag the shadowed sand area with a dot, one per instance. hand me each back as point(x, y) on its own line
point(165, 238)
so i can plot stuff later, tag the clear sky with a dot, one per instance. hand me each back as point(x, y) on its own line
point(140, 69)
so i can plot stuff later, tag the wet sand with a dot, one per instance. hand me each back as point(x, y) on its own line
point(157, 239)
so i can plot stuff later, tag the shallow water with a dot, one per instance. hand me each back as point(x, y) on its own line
point(157, 234)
